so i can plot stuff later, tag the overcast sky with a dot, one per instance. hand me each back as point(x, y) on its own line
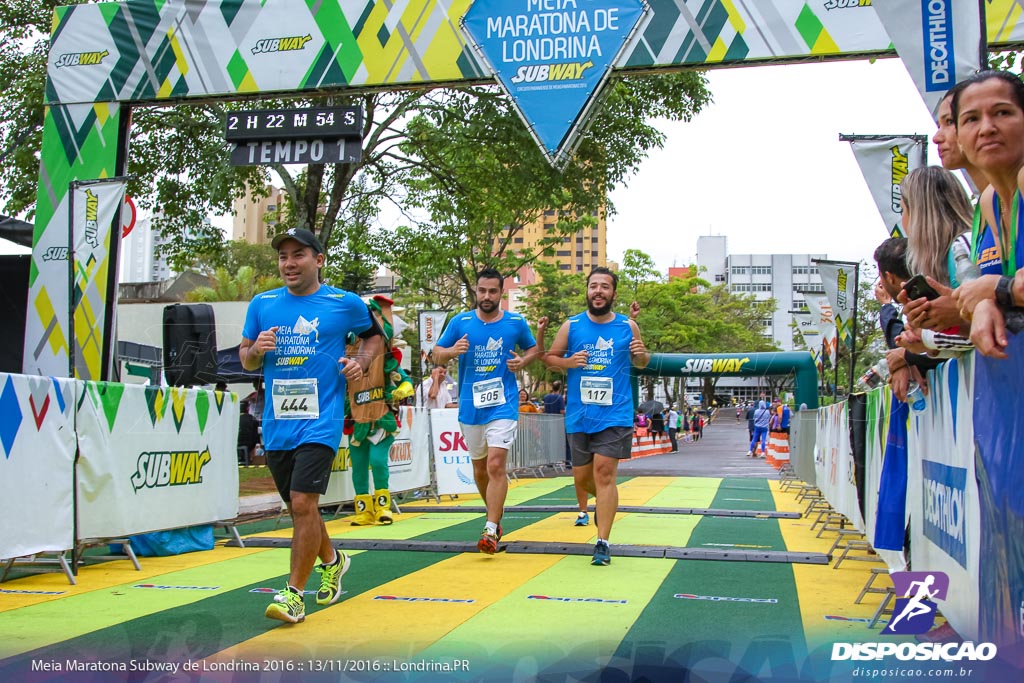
point(763, 165)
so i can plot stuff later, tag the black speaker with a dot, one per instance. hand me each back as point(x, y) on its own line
point(190, 345)
point(14, 273)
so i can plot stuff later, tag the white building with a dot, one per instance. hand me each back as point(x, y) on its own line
point(784, 277)
point(139, 259)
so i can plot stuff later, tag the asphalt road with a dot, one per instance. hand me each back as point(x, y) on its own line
point(722, 452)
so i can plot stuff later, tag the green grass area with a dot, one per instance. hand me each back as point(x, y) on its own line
point(258, 472)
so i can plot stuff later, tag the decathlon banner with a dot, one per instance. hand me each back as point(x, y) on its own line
point(876, 435)
point(37, 456)
point(942, 492)
point(939, 41)
point(154, 458)
point(884, 162)
point(833, 462)
point(95, 209)
point(408, 460)
point(840, 281)
point(552, 64)
point(999, 433)
point(431, 325)
point(821, 314)
point(452, 464)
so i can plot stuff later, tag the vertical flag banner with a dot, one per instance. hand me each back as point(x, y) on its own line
point(553, 65)
point(807, 325)
point(840, 281)
point(885, 161)
point(939, 41)
point(821, 314)
point(431, 325)
point(94, 208)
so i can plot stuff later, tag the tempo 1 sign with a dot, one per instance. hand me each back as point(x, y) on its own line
point(317, 151)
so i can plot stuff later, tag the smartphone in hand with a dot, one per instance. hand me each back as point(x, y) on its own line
point(917, 287)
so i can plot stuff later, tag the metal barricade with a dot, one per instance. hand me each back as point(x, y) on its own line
point(540, 442)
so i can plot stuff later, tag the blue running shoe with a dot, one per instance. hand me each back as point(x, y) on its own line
point(602, 554)
point(582, 519)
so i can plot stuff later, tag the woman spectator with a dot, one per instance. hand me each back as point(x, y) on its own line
point(989, 113)
point(525, 404)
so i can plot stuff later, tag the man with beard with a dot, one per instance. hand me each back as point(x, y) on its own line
point(484, 341)
point(591, 347)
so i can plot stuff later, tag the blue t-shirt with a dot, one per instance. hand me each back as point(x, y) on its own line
point(554, 403)
point(988, 260)
point(487, 388)
point(310, 341)
point(599, 394)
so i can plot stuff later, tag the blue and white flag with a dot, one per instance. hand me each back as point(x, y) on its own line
point(940, 41)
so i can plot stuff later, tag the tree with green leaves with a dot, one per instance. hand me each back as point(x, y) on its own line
point(240, 285)
point(459, 158)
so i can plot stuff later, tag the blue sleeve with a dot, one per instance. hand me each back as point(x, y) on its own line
point(361, 320)
point(450, 334)
point(251, 327)
point(892, 326)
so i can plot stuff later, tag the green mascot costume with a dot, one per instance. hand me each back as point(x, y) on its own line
point(372, 421)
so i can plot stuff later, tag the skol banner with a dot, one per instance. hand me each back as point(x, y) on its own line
point(821, 314)
point(885, 162)
point(431, 325)
point(942, 492)
point(876, 436)
point(37, 464)
point(452, 463)
point(939, 41)
point(833, 462)
point(840, 281)
point(154, 458)
point(95, 206)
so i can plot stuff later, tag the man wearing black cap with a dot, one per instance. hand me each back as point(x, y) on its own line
point(297, 334)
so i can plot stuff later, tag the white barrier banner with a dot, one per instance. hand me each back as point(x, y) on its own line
point(37, 456)
point(408, 460)
point(451, 457)
point(876, 434)
point(154, 458)
point(821, 314)
point(833, 463)
point(942, 492)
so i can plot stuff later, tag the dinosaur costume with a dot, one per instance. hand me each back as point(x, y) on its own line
point(371, 421)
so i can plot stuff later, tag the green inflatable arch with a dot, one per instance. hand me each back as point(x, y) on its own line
point(741, 365)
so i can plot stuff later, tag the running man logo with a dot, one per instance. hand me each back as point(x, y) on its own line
point(900, 169)
point(605, 344)
point(846, 4)
point(92, 210)
point(178, 468)
point(307, 327)
point(714, 365)
point(495, 344)
point(81, 58)
point(539, 73)
point(914, 612)
point(289, 44)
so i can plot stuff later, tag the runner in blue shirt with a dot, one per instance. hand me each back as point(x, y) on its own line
point(599, 407)
point(297, 335)
point(484, 340)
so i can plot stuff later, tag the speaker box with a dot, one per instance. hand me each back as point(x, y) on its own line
point(190, 345)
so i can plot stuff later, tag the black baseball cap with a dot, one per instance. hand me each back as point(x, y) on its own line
point(300, 235)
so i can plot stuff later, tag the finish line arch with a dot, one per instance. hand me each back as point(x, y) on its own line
point(741, 365)
point(107, 57)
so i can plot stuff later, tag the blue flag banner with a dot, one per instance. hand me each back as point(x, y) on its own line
point(999, 433)
point(891, 517)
